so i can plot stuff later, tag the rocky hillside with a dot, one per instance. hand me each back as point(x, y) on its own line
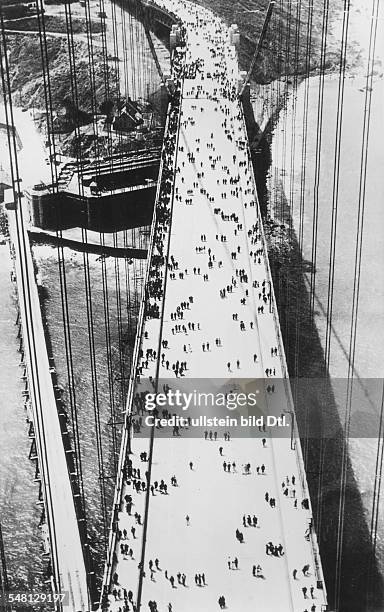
point(27, 73)
point(288, 35)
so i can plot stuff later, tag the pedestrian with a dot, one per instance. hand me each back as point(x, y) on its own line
point(191, 465)
point(221, 450)
point(187, 520)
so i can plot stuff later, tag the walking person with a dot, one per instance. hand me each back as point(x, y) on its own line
point(312, 590)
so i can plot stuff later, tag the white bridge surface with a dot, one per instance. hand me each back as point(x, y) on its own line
point(212, 129)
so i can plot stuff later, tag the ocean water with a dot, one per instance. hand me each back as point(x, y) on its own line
point(19, 511)
point(287, 172)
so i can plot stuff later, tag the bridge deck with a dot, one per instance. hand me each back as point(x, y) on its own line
point(212, 130)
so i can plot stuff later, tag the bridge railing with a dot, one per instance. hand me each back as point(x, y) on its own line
point(288, 392)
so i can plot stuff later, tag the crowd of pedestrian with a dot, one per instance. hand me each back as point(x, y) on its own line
point(234, 183)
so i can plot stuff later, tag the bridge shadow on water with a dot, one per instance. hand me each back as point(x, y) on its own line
point(325, 453)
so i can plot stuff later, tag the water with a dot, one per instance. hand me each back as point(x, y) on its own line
point(369, 356)
point(19, 511)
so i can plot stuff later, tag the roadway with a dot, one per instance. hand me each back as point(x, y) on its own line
point(217, 243)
